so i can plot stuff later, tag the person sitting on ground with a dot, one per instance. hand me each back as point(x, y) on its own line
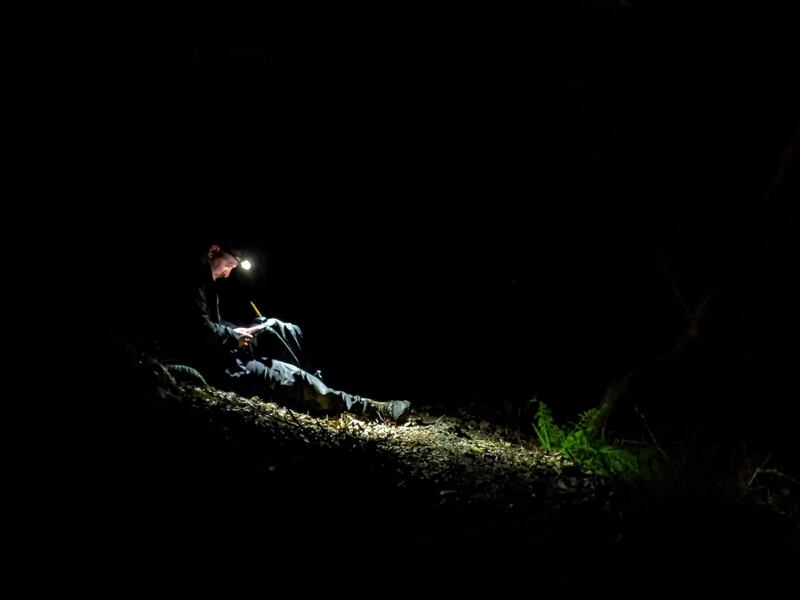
point(265, 360)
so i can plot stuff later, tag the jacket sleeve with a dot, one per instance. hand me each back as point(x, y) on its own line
point(211, 335)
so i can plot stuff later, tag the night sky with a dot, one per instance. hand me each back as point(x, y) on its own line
point(465, 205)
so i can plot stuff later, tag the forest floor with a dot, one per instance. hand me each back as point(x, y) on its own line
point(450, 485)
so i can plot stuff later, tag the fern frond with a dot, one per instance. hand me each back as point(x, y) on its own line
point(187, 374)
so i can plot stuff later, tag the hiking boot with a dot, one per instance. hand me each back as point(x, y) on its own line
point(393, 411)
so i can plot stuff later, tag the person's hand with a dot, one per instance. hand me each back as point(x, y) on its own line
point(245, 336)
point(254, 329)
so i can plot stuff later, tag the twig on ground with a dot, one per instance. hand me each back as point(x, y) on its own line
point(756, 471)
point(650, 433)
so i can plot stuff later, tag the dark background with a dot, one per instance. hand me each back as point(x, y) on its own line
point(462, 204)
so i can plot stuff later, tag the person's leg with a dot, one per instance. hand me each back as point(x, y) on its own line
point(289, 385)
point(283, 341)
point(300, 390)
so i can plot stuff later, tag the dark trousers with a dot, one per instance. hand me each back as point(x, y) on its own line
point(282, 341)
point(276, 369)
point(291, 386)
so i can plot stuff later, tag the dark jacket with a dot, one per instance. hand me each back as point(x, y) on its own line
point(201, 338)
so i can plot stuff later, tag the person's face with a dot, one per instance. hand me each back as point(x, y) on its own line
point(222, 265)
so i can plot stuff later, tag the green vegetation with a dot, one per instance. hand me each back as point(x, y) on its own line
point(187, 374)
point(584, 444)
